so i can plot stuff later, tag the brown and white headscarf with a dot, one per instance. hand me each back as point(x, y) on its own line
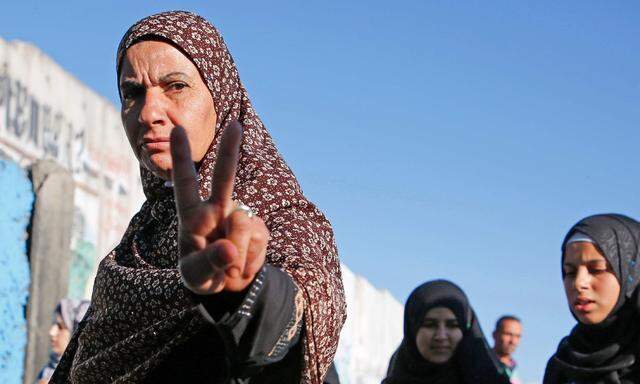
point(140, 310)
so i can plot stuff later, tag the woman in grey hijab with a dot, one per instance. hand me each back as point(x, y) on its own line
point(600, 271)
point(66, 317)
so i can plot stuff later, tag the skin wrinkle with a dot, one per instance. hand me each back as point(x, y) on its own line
point(153, 66)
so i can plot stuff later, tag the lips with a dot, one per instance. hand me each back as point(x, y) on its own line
point(440, 349)
point(583, 304)
point(155, 144)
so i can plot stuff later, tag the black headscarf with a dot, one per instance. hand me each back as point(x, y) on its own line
point(606, 352)
point(472, 363)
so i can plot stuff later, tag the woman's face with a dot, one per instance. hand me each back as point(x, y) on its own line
point(591, 286)
point(160, 89)
point(59, 336)
point(439, 335)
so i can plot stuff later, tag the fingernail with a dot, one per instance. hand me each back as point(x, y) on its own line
point(233, 272)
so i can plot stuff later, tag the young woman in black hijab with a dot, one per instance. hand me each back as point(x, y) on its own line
point(600, 270)
point(443, 342)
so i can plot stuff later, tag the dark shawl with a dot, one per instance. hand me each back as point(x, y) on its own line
point(605, 352)
point(472, 363)
point(140, 311)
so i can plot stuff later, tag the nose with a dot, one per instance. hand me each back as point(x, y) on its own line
point(582, 279)
point(441, 333)
point(153, 111)
point(53, 331)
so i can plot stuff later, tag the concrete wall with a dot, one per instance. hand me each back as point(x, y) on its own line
point(371, 334)
point(88, 187)
point(50, 237)
point(46, 113)
point(16, 201)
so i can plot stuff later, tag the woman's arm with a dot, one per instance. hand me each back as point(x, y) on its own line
point(260, 326)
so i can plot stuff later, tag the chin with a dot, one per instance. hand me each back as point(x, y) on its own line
point(439, 359)
point(159, 165)
point(589, 319)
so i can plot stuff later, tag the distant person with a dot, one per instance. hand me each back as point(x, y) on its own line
point(600, 271)
point(66, 317)
point(506, 338)
point(443, 342)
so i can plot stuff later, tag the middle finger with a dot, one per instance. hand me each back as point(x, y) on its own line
point(238, 227)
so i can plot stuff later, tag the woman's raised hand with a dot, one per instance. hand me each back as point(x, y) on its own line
point(221, 247)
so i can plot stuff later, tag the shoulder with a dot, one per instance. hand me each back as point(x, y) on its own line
point(551, 373)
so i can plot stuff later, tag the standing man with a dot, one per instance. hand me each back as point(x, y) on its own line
point(506, 338)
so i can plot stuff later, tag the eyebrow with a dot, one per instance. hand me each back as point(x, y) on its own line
point(171, 75)
point(129, 86)
point(436, 319)
point(589, 262)
point(129, 83)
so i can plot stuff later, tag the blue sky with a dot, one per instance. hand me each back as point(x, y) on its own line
point(442, 140)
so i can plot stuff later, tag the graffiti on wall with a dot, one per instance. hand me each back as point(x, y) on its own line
point(83, 256)
point(36, 124)
point(16, 202)
point(46, 113)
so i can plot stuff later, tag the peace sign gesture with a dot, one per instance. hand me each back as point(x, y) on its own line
point(222, 245)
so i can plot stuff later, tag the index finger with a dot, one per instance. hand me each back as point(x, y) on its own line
point(224, 171)
point(183, 173)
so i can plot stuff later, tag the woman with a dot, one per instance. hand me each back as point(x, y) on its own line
point(66, 317)
point(228, 273)
point(443, 342)
point(600, 271)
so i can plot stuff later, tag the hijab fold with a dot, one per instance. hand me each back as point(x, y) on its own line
point(472, 363)
point(140, 311)
point(606, 352)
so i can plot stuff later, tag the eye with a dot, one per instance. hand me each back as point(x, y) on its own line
point(177, 86)
point(452, 324)
point(429, 324)
point(130, 93)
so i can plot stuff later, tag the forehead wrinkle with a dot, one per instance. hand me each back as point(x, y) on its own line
point(134, 72)
point(159, 63)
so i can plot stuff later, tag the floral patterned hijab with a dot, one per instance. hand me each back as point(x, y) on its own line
point(140, 310)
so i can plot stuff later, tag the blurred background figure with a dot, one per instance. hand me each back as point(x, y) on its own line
point(506, 338)
point(443, 342)
point(66, 318)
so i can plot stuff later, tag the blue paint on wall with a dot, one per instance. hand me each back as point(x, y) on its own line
point(16, 204)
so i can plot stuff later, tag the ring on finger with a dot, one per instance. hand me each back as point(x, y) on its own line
point(246, 209)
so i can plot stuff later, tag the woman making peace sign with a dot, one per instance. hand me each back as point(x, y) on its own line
point(228, 273)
